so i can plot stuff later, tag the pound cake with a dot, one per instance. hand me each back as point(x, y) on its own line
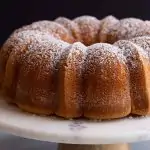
point(84, 67)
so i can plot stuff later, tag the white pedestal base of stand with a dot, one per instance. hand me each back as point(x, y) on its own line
point(93, 147)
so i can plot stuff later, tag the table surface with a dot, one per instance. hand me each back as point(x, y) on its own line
point(14, 121)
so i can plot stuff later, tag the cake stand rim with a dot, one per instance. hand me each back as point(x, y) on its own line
point(16, 122)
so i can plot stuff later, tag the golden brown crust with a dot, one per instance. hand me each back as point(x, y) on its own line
point(126, 29)
point(35, 109)
point(139, 69)
point(106, 27)
point(45, 75)
point(106, 84)
point(144, 43)
point(8, 86)
point(71, 26)
point(28, 84)
point(89, 29)
point(70, 94)
point(51, 27)
point(36, 83)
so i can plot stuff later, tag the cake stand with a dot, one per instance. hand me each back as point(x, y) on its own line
point(74, 134)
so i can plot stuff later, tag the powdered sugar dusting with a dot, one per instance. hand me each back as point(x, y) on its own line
point(76, 47)
point(43, 46)
point(40, 50)
point(104, 72)
point(19, 40)
point(102, 53)
point(89, 29)
point(131, 51)
point(43, 51)
point(37, 71)
point(51, 27)
point(107, 25)
point(71, 81)
point(71, 26)
point(137, 61)
point(30, 50)
point(76, 54)
point(108, 19)
point(110, 49)
point(130, 27)
point(143, 42)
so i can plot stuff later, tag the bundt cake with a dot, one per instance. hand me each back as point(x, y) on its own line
point(85, 67)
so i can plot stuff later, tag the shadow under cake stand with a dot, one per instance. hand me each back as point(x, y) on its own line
point(74, 134)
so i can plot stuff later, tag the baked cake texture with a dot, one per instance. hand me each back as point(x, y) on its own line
point(85, 67)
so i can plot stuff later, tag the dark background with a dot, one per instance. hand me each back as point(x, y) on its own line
point(15, 13)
